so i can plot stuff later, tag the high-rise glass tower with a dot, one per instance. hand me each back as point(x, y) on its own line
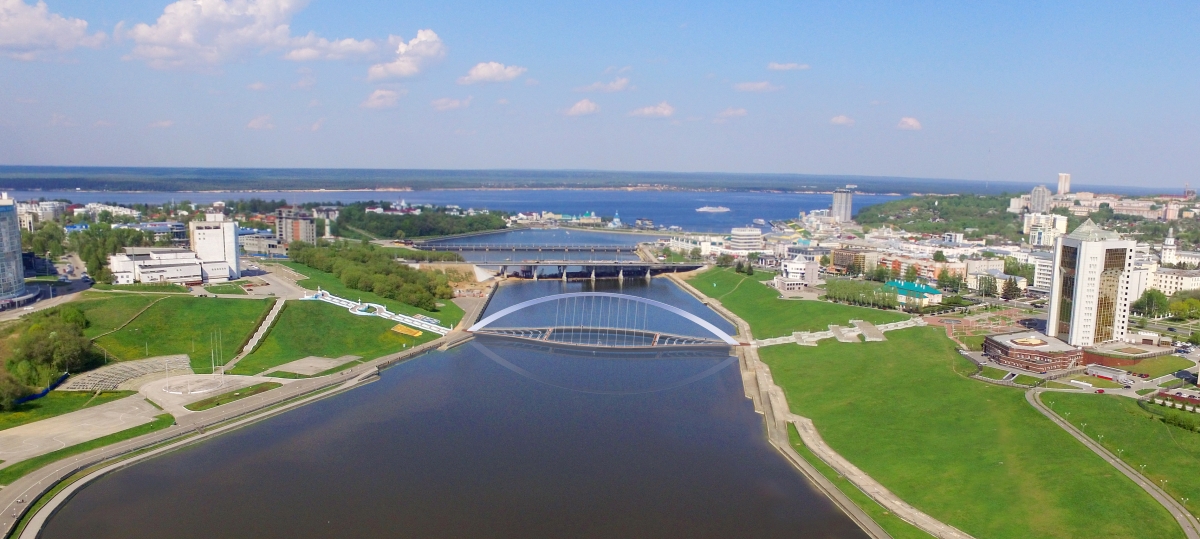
point(12, 271)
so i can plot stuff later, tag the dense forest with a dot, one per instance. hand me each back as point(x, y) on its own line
point(367, 267)
point(428, 223)
point(975, 216)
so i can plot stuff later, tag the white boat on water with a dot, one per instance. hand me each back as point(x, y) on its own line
point(713, 209)
point(760, 222)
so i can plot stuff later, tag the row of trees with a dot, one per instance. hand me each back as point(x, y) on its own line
point(861, 293)
point(428, 223)
point(363, 266)
point(48, 343)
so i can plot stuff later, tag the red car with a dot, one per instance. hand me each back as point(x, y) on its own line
point(1099, 391)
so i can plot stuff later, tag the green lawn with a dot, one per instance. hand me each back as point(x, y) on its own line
point(1169, 453)
point(1098, 383)
point(973, 342)
point(769, 316)
point(993, 373)
point(16, 471)
point(1158, 366)
point(143, 287)
point(56, 403)
point(316, 328)
point(183, 325)
point(1051, 384)
point(106, 312)
point(972, 454)
point(891, 523)
point(449, 313)
point(226, 288)
point(1026, 380)
point(236, 395)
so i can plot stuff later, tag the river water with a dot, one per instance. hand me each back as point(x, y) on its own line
point(491, 439)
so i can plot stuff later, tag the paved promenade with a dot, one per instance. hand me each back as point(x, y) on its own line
point(41, 437)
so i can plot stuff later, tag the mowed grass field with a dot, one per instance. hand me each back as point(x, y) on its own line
point(183, 325)
point(1169, 453)
point(972, 454)
point(316, 328)
point(769, 316)
point(106, 312)
point(449, 314)
point(234, 288)
point(1158, 366)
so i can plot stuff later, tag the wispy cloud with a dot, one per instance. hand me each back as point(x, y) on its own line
point(411, 56)
point(909, 123)
point(257, 86)
point(316, 126)
point(446, 103)
point(161, 124)
point(842, 120)
point(491, 72)
point(307, 80)
point(617, 85)
point(661, 110)
point(763, 86)
point(583, 108)
point(260, 123)
point(729, 114)
point(776, 66)
point(381, 99)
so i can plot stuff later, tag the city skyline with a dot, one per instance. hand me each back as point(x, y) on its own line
point(983, 93)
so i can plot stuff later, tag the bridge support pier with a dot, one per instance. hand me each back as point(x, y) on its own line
point(593, 275)
point(647, 275)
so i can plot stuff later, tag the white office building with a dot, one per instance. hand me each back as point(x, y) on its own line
point(1064, 183)
point(216, 239)
point(745, 239)
point(1090, 292)
point(842, 208)
point(1043, 228)
point(165, 265)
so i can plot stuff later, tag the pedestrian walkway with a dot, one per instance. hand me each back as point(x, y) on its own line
point(869, 331)
point(41, 437)
point(259, 334)
point(374, 309)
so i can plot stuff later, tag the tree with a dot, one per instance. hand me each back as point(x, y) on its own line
point(737, 267)
point(1152, 303)
point(1011, 290)
point(724, 261)
point(694, 254)
point(987, 286)
point(667, 252)
point(939, 256)
point(911, 274)
point(749, 269)
point(825, 260)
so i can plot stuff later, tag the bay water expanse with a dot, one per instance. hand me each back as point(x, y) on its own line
point(489, 439)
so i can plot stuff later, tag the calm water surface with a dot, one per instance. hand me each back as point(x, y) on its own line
point(488, 440)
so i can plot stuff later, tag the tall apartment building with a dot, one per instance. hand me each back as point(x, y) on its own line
point(12, 270)
point(1089, 295)
point(215, 239)
point(745, 239)
point(1043, 228)
point(1064, 183)
point(842, 209)
point(292, 223)
point(1039, 200)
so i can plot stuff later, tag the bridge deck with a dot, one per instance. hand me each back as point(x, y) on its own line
point(601, 337)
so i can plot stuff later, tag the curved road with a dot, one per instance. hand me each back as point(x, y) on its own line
point(1191, 527)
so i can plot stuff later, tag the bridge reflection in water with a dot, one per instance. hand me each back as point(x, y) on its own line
point(604, 320)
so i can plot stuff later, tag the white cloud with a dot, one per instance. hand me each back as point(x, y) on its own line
point(209, 32)
point(257, 86)
point(763, 86)
point(161, 124)
point(661, 110)
point(27, 32)
point(583, 108)
point(909, 123)
point(411, 57)
point(618, 70)
point(621, 83)
point(317, 125)
point(381, 99)
point(261, 122)
point(491, 72)
point(314, 103)
point(102, 123)
point(776, 66)
point(842, 120)
point(502, 101)
point(727, 114)
point(446, 103)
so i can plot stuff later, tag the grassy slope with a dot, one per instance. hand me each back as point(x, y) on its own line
point(1158, 366)
point(14, 472)
point(143, 287)
point(969, 453)
point(56, 403)
point(175, 324)
point(769, 316)
point(225, 288)
point(315, 328)
point(1168, 452)
point(108, 311)
point(449, 314)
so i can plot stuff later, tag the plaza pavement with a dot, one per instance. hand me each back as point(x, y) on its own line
point(40, 437)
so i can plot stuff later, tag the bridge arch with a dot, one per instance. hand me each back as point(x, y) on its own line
point(716, 331)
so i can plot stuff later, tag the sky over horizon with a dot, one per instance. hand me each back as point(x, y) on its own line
point(981, 91)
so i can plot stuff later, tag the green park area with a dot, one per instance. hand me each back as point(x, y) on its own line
point(186, 325)
point(993, 373)
point(106, 312)
point(236, 395)
point(1098, 383)
point(56, 403)
point(770, 316)
point(974, 343)
point(316, 328)
point(144, 287)
point(1171, 454)
point(972, 454)
point(1051, 384)
point(448, 312)
point(1161, 365)
point(234, 288)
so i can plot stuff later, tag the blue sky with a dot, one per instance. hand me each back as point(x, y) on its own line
point(985, 91)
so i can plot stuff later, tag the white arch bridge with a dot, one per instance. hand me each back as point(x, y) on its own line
point(605, 320)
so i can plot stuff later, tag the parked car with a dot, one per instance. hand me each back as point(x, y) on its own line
point(1099, 391)
point(1172, 330)
point(1144, 375)
point(1128, 387)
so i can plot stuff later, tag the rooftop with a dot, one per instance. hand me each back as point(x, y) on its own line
point(909, 289)
point(1090, 231)
point(1032, 340)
